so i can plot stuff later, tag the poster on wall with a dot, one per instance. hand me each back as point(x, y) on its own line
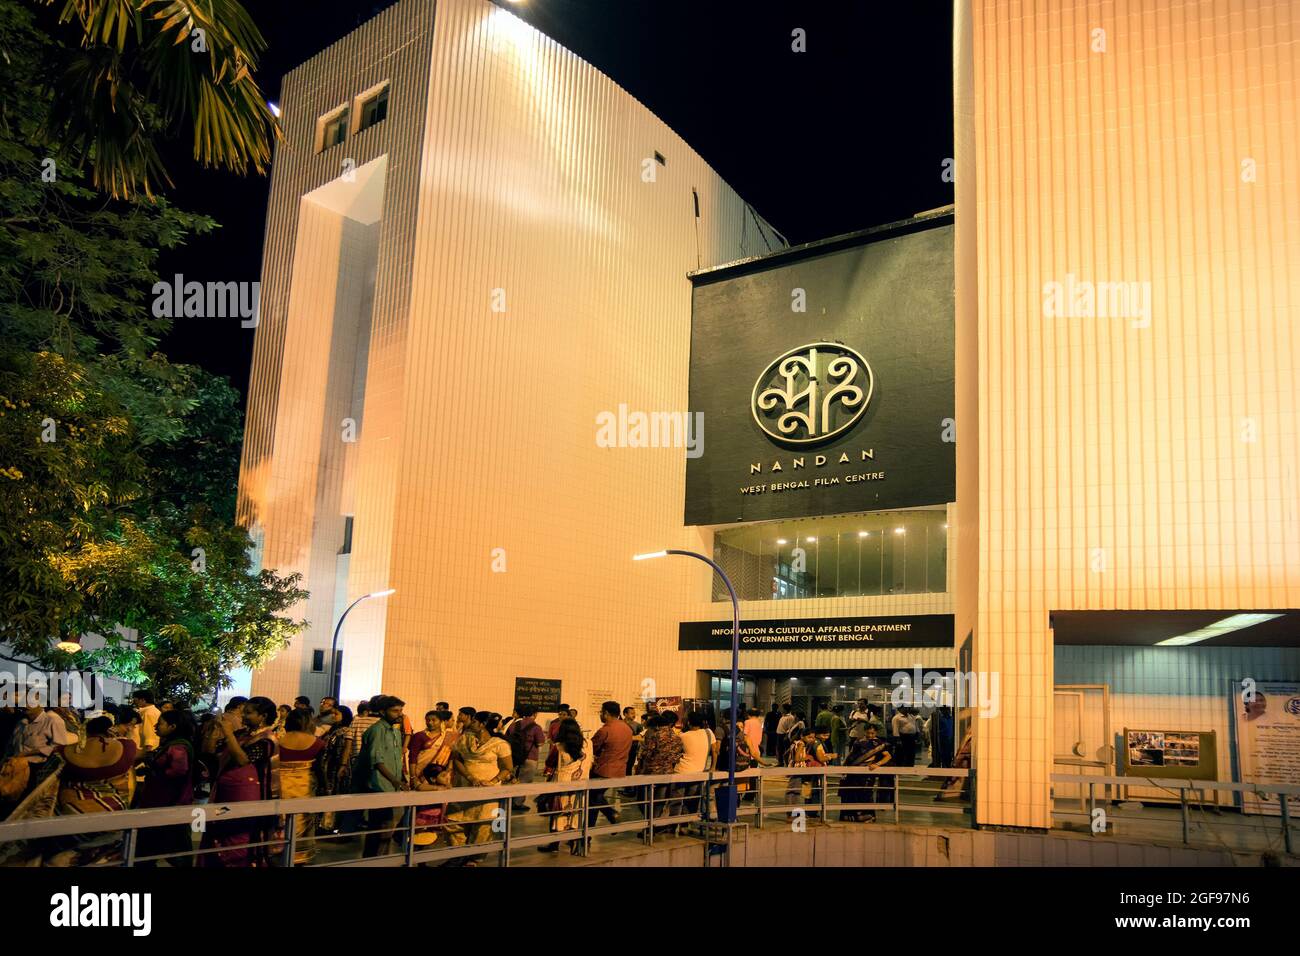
point(1267, 722)
point(675, 704)
point(539, 692)
point(1176, 754)
point(595, 700)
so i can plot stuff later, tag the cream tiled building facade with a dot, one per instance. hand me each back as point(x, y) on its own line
point(1140, 460)
point(451, 296)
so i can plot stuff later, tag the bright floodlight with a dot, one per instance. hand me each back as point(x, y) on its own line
point(383, 593)
point(68, 647)
point(649, 554)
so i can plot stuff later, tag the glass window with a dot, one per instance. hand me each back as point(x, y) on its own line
point(373, 108)
point(887, 552)
point(334, 128)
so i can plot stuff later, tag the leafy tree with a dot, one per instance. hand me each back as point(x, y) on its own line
point(135, 70)
point(115, 464)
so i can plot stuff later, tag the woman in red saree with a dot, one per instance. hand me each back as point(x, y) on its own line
point(169, 782)
point(243, 773)
point(98, 777)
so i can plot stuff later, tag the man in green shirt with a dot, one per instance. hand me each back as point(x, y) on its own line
point(824, 719)
point(379, 770)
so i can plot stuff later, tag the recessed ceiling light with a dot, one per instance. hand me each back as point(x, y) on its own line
point(898, 530)
point(864, 534)
point(781, 541)
point(1227, 625)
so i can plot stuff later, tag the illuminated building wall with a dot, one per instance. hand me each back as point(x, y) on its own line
point(1141, 453)
point(469, 283)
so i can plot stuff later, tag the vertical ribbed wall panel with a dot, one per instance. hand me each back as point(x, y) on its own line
point(513, 165)
point(1126, 464)
point(531, 183)
point(290, 432)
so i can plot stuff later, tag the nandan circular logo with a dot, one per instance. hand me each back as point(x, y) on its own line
point(812, 393)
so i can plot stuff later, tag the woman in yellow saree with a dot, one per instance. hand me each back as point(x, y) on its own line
point(298, 775)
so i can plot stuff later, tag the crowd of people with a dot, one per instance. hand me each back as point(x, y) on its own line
point(160, 754)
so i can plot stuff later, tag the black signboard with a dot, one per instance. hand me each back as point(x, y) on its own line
point(537, 692)
point(825, 379)
point(913, 630)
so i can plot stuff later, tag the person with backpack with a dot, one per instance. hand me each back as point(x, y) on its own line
point(525, 738)
point(800, 753)
point(783, 727)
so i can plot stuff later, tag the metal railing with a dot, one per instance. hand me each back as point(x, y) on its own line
point(1188, 793)
point(480, 821)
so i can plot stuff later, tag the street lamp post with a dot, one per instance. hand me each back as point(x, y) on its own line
point(727, 813)
point(334, 645)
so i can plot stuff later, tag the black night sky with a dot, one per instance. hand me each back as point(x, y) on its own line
point(850, 134)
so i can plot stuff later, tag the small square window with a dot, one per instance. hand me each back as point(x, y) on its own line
point(318, 662)
point(659, 158)
point(372, 107)
point(332, 128)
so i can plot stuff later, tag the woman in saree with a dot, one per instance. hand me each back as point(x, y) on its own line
point(430, 759)
point(867, 752)
point(169, 782)
point(333, 778)
point(243, 773)
point(298, 775)
point(98, 777)
point(478, 760)
point(572, 762)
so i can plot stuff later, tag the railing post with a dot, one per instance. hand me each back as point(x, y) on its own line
point(1286, 822)
point(1092, 805)
point(290, 838)
point(650, 814)
point(826, 786)
point(409, 819)
point(897, 805)
point(1182, 799)
point(585, 803)
point(128, 847)
point(760, 798)
point(505, 838)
